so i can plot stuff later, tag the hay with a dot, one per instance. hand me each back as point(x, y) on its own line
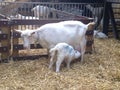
point(100, 71)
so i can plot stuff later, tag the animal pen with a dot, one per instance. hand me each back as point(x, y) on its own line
point(10, 40)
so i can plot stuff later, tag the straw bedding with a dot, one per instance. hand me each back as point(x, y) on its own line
point(100, 71)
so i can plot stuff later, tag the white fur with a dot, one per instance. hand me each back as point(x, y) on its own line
point(61, 52)
point(48, 35)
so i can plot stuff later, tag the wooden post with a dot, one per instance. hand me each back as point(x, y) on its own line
point(90, 41)
point(115, 31)
point(5, 44)
point(15, 41)
point(108, 14)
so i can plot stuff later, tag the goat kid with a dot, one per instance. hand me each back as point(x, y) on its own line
point(61, 52)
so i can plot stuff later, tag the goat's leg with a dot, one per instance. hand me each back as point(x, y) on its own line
point(58, 63)
point(51, 62)
point(83, 47)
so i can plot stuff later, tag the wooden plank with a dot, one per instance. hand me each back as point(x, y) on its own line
point(42, 22)
point(17, 58)
point(20, 46)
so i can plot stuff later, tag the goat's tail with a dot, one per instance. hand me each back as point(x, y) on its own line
point(90, 26)
point(53, 54)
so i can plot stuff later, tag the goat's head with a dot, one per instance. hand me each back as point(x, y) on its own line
point(26, 36)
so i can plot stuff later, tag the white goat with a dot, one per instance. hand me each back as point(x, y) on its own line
point(61, 52)
point(42, 11)
point(48, 35)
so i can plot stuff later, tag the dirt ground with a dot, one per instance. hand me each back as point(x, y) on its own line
point(100, 71)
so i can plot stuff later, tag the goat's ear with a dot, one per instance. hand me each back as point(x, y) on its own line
point(19, 31)
point(91, 25)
